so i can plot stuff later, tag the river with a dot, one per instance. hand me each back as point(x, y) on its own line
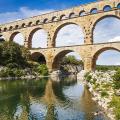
point(44, 99)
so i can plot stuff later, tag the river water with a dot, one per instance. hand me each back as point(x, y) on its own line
point(44, 99)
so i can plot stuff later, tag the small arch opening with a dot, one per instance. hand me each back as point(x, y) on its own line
point(62, 17)
point(118, 6)
point(17, 26)
point(94, 11)
point(29, 24)
point(37, 22)
point(11, 27)
point(5, 29)
point(23, 25)
point(45, 20)
point(107, 8)
point(54, 18)
point(82, 13)
point(72, 15)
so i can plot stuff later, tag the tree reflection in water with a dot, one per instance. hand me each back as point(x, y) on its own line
point(45, 99)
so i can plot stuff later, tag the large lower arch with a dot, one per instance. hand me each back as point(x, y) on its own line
point(105, 29)
point(63, 33)
point(17, 37)
point(38, 57)
point(37, 38)
point(58, 58)
point(100, 51)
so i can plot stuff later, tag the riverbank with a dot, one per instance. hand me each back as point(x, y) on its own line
point(100, 85)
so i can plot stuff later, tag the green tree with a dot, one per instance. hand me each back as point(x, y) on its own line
point(71, 60)
point(11, 55)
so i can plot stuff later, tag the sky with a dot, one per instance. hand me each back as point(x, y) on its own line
point(106, 30)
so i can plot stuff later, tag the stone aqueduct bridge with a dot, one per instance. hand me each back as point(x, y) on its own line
point(86, 16)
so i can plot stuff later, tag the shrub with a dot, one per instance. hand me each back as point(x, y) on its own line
point(115, 103)
point(11, 72)
point(88, 77)
point(116, 76)
point(104, 94)
point(42, 69)
point(13, 55)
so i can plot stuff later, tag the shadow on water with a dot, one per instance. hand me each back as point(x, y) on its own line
point(45, 99)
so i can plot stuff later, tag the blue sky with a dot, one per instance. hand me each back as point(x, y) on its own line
point(14, 5)
point(106, 30)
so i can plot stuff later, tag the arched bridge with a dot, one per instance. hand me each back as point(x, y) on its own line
point(86, 16)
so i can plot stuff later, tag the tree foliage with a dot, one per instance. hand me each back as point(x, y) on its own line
point(71, 60)
point(13, 55)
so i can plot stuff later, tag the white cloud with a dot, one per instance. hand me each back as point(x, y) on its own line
point(23, 12)
point(106, 29)
point(70, 35)
point(115, 39)
point(39, 38)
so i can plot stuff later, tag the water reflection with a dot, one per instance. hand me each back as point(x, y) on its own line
point(44, 99)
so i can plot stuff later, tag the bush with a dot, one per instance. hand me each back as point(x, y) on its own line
point(116, 78)
point(42, 69)
point(39, 69)
point(88, 77)
point(106, 67)
point(104, 94)
point(13, 55)
point(11, 72)
point(115, 103)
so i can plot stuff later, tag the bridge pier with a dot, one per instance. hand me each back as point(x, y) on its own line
point(88, 64)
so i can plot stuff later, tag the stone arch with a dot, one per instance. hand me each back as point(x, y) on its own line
point(98, 20)
point(62, 17)
point(72, 15)
point(37, 22)
point(93, 11)
point(107, 8)
point(45, 20)
point(5, 29)
point(118, 6)
point(98, 52)
point(38, 57)
point(82, 13)
point(30, 24)
point(16, 26)
point(59, 28)
point(58, 58)
point(13, 36)
point(54, 18)
point(23, 25)
point(11, 27)
point(31, 36)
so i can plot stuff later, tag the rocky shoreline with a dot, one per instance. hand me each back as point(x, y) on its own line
point(103, 103)
point(22, 77)
point(101, 79)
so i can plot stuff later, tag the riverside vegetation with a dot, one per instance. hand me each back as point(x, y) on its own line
point(15, 61)
point(105, 87)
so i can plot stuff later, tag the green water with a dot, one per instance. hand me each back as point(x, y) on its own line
point(44, 99)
